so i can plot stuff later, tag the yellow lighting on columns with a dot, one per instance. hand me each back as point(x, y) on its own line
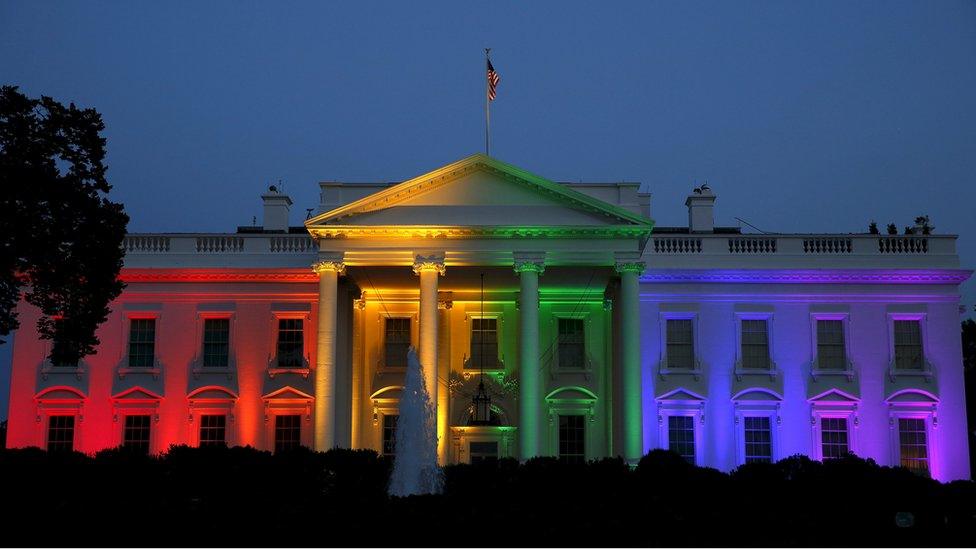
point(328, 270)
point(429, 267)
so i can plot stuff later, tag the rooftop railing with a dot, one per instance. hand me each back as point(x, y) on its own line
point(768, 244)
point(209, 244)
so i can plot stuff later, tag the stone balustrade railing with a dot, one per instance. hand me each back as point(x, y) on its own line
point(209, 244)
point(768, 244)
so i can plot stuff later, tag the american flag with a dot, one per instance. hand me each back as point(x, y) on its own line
point(492, 81)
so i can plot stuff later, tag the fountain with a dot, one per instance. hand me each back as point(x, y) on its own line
point(415, 469)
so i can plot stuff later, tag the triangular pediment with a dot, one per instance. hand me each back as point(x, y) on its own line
point(287, 393)
point(681, 394)
point(137, 393)
point(478, 192)
point(834, 396)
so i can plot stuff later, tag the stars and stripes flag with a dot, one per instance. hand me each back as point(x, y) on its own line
point(492, 81)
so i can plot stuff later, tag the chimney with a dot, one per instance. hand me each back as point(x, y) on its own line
point(701, 210)
point(276, 206)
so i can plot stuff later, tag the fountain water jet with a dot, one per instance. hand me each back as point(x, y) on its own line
point(415, 469)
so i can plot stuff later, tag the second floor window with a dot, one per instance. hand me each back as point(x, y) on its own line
point(572, 348)
point(396, 342)
point(831, 348)
point(908, 345)
point(681, 347)
point(484, 343)
point(216, 342)
point(142, 342)
point(291, 343)
point(755, 344)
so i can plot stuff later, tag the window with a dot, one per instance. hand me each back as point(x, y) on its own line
point(913, 445)
point(213, 430)
point(572, 350)
point(908, 345)
point(681, 437)
point(484, 343)
point(291, 343)
point(834, 437)
point(483, 451)
point(397, 342)
point(216, 342)
point(60, 433)
point(135, 433)
point(389, 434)
point(831, 347)
point(288, 432)
point(758, 439)
point(755, 344)
point(680, 342)
point(572, 447)
point(142, 342)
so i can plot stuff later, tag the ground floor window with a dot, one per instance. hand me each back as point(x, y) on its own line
point(758, 439)
point(389, 434)
point(572, 447)
point(135, 433)
point(61, 434)
point(213, 430)
point(483, 451)
point(913, 445)
point(834, 437)
point(681, 437)
point(288, 432)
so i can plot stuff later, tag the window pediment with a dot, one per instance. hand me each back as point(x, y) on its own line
point(834, 396)
point(912, 396)
point(61, 393)
point(288, 393)
point(757, 394)
point(681, 395)
point(136, 394)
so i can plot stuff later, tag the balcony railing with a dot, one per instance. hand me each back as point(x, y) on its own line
point(803, 244)
point(209, 244)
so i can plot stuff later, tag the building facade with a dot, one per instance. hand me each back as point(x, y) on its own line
point(594, 332)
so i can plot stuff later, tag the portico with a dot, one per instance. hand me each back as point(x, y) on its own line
point(547, 284)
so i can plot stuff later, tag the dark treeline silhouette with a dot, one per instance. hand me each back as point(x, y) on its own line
point(241, 496)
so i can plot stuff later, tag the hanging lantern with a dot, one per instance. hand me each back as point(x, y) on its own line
point(482, 406)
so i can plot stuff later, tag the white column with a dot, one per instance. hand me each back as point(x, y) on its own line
point(325, 354)
point(529, 268)
point(630, 357)
point(429, 267)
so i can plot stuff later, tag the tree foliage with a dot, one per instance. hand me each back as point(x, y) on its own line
point(62, 237)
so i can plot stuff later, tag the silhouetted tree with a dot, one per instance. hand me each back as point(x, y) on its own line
point(873, 227)
point(892, 228)
point(62, 238)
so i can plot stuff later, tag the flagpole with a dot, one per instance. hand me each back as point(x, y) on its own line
point(487, 108)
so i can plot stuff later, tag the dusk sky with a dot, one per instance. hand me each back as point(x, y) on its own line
point(803, 117)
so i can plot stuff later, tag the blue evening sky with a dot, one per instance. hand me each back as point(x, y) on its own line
point(803, 117)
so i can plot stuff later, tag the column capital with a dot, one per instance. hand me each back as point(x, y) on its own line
point(531, 262)
point(429, 262)
point(630, 267)
point(326, 265)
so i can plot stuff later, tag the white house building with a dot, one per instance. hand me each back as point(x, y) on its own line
point(595, 333)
